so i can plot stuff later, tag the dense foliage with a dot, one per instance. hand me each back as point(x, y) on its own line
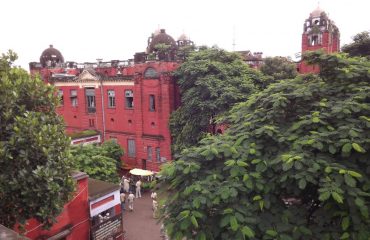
point(211, 81)
point(360, 45)
point(279, 68)
point(83, 134)
point(99, 161)
point(35, 168)
point(294, 163)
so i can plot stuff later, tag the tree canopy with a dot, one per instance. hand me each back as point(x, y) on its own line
point(35, 168)
point(99, 161)
point(279, 68)
point(211, 81)
point(360, 45)
point(294, 163)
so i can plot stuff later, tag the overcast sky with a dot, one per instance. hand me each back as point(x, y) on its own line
point(115, 29)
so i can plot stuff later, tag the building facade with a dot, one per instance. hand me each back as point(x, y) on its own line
point(319, 32)
point(128, 101)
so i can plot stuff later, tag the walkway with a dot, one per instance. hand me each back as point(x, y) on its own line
point(140, 224)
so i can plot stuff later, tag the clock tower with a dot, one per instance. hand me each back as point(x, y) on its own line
point(319, 32)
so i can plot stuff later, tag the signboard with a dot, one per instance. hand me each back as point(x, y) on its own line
point(86, 140)
point(103, 203)
point(110, 229)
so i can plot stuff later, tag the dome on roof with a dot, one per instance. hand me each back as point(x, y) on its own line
point(51, 57)
point(183, 37)
point(316, 13)
point(161, 38)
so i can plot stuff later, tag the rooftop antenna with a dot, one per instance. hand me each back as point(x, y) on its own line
point(234, 38)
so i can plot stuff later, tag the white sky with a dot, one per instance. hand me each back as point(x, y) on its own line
point(115, 29)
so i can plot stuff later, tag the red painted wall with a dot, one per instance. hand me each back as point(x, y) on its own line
point(327, 46)
point(75, 215)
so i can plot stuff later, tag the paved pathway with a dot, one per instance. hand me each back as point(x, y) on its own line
point(140, 224)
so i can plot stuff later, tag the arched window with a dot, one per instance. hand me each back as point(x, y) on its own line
point(315, 39)
point(150, 73)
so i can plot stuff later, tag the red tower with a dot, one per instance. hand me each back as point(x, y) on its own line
point(319, 32)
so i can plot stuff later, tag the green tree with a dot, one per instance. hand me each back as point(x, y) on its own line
point(99, 161)
point(360, 45)
point(279, 68)
point(163, 51)
point(35, 167)
point(113, 150)
point(211, 81)
point(294, 163)
point(184, 51)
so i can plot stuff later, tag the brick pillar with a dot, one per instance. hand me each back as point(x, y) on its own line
point(138, 119)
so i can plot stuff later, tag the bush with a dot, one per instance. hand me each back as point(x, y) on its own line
point(83, 134)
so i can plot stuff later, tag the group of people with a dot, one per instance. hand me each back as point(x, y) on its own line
point(127, 188)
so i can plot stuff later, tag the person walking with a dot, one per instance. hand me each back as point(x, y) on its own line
point(132, 184)
point(130, 199)
point(155, 208)
point(123, 199)
point(126, 185)
point(138, 189)
point(153, 195)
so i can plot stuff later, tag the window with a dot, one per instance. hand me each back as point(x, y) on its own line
point(143, 164)
point(73, 96)
point(90, 100)
point(158, 154)
point(111, 99)
point(150, 153)
point(131, 147)
point(60, 96)
point(150, 73)
point(315, 40)
point(129, 95)
point(151, 103)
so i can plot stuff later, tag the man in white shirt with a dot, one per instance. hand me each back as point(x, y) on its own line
point(154, 195)
point(155, 208)
point(126, 185)
point(130, 199)
point(138, 189)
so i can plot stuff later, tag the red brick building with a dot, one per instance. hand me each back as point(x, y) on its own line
point(129, 101)
point(94, 212)
point(319, 32)
point(71, 223)
point(254, 60)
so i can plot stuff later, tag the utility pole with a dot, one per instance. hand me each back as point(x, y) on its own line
point(234, 38)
